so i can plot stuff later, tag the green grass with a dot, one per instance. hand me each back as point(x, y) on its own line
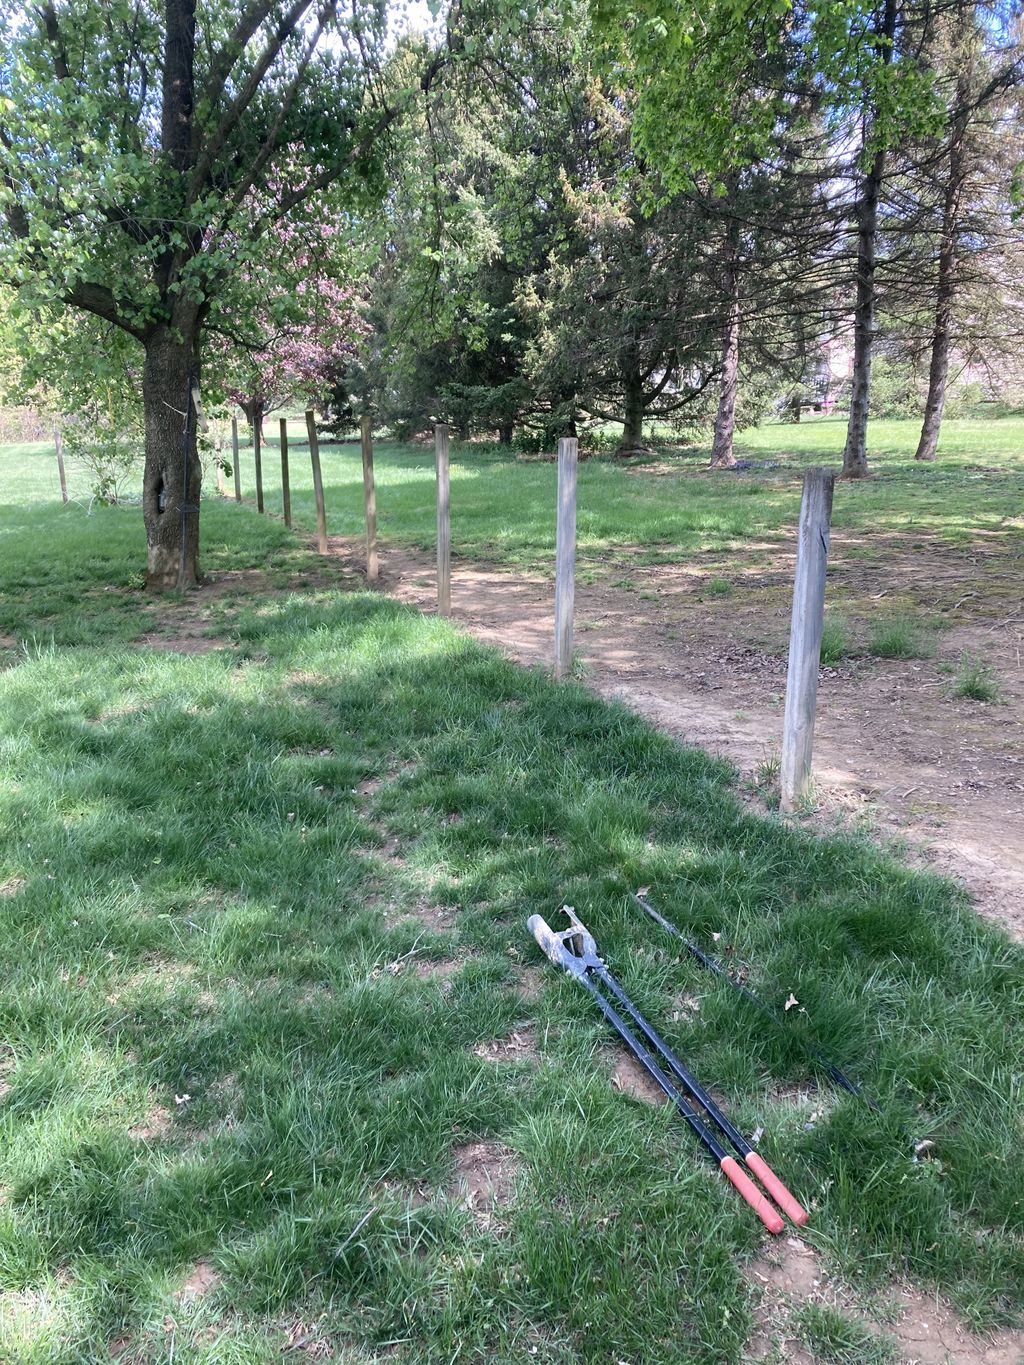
point(219, 874)
point(841, 1340)
point(503, 507)
point(899, 637)
point(975, 680)
point(835, 644)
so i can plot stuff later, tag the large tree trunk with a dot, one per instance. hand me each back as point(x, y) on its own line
point(855, 453)
point(505, 434)
point(173, 474)
point(938, 370)
point(722, 456)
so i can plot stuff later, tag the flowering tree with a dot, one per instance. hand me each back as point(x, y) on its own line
point(302, 322)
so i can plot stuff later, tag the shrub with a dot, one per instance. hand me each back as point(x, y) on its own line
point(108, 449)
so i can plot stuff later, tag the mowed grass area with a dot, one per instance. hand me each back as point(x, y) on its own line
point(263, 918)
point(503, 507)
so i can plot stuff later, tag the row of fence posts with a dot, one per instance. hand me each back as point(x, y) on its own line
point(808, 614)
point(369, 487)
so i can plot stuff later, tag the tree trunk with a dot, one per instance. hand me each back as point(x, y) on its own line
point(254, 409)
point(173, 474)
point(505, 434)
point(938, 370)
point(855, 453)
point(633, 413)
point(722, 456)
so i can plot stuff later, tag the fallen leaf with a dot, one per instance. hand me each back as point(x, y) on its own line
point(791, 1002)
point(643, 890)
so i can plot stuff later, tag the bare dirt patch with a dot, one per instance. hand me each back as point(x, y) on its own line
point(308, 1340)
point(201, 1280)
point(156, 1124)
point(631, 1079)
point(431, 916)
point(439, 969)
point(529, 983)
point(413, 1194)
point(519, 1046)
point(184, 625)
point(179, 642)
point(11, 886)
point(485, 1179)
point(924, 1329)
point(387, 851)
point(893, 746)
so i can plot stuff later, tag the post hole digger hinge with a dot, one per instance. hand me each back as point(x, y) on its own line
point(575, 951)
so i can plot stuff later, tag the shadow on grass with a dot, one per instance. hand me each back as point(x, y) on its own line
point(216, 1049)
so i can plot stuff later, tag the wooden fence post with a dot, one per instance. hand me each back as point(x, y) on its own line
point(286, 492)
point(369, 499)
point(318, 482)
point(257, 454)
point(565, 555)
point(444, 522)
point(805, 635)
point(234, 459)
point(58, 441)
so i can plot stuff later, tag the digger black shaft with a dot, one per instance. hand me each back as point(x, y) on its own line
point(786, 1201)
point(727, 1163)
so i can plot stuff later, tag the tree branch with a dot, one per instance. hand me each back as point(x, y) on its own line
point(98, 299)
point(47, 16)
point(270, 142)
point(237, 107)
point(225, 60)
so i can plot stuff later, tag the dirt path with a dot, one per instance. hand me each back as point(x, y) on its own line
point(893, 746)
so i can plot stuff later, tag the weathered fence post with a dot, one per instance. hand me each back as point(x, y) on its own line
point(257, 454)
point(565, 555)
point(318, 482)
point(444, 522)
point(286, 492)
point(234, 459)
point(58, 441)
point(805, 635)
point(369, 499)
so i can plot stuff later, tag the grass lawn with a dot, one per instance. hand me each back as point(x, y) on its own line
point(267, 984)
point(502, 507)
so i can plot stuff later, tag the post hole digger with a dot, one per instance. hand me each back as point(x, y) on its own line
point(575, 951)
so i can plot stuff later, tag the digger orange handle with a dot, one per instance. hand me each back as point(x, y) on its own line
point(787, 1202)
point(745, 1187)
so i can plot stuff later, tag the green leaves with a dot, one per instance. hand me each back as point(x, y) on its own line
point(709, 83)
